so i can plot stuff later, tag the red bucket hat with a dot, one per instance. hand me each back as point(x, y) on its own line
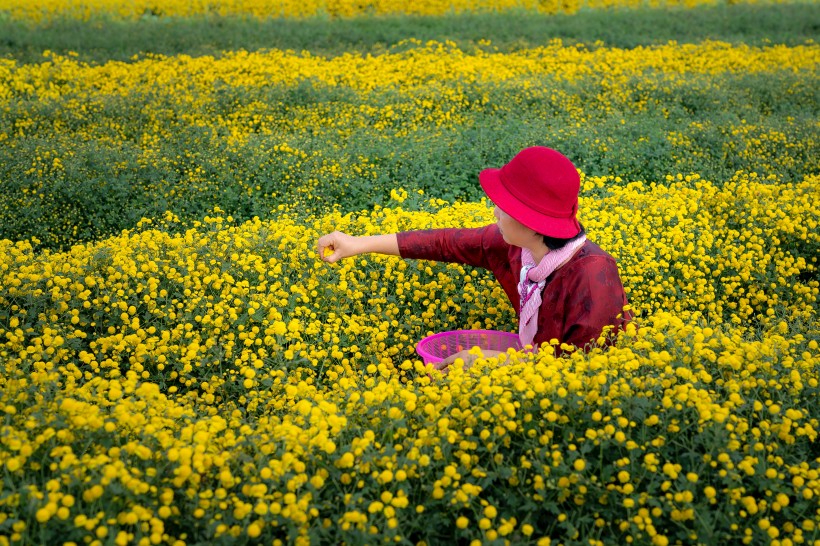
point(539, 188)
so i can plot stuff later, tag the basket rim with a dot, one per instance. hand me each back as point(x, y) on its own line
point(431, 338)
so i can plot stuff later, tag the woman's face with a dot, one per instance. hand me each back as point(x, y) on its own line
point(514, 232)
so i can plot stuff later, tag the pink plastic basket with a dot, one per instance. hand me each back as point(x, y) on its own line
point(439, 346)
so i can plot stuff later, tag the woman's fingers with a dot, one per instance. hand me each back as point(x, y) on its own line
point(322, 243)
point(329, 247)
point(465, 356)
point(449, 360)
point(441, 366)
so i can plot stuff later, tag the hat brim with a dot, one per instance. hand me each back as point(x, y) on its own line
point(493, 186)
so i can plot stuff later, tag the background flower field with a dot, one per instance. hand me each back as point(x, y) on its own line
point(180, 368)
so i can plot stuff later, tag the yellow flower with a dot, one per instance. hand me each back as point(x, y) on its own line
point(43, 515)
point(579, 464)
point(254, 530)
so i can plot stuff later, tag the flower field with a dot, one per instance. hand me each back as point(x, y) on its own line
point(44, 10)
point(178, 366)
point(251, 130)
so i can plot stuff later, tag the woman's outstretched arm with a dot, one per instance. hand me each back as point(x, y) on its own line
point(341, 245)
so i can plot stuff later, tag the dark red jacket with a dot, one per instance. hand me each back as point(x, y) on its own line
point(579, 299)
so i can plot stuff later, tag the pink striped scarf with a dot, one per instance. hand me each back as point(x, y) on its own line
point(533, 280)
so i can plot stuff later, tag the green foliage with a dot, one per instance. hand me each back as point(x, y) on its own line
point(101, 40)
point(331, 146)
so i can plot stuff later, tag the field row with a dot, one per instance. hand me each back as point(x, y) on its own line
point(410, 67)
point(104, 40)
point(89, 150)
point(44, 10)
point(222, 384)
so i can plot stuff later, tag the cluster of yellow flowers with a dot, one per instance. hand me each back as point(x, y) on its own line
point(223, 384)
point(416, 66)
point(220, 109)
point(45, 10)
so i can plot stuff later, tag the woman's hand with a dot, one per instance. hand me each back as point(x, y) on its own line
point(468, 357)
point(341, 245)
point(464, 355)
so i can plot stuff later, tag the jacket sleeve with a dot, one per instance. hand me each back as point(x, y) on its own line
point(595, 300)
point(477, 247)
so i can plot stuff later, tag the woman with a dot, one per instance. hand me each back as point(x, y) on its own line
point(563, 286)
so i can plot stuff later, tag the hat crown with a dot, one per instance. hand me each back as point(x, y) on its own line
point(544, 180)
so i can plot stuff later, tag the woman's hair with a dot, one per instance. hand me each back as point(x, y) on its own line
point(554, 243)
